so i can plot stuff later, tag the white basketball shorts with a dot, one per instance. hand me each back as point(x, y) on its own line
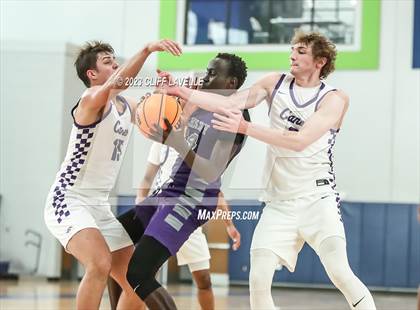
point(286, 225)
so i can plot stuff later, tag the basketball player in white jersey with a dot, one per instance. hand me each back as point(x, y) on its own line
point(77, 210)
point(195, 251)
point(302, 204)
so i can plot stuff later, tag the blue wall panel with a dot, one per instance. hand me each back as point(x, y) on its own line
point(414, 248)
point(396, 245)
point(372, 244)
point(352, 215)
point(383, 245)
point(239, 261)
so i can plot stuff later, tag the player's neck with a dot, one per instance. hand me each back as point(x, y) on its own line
point(308, 81)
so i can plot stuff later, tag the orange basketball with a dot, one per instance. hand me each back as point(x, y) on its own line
point(154, 109)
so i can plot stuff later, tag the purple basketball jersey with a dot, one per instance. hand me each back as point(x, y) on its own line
point(202, 138)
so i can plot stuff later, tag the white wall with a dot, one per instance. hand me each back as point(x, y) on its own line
point(36, 93)
point(377, 154)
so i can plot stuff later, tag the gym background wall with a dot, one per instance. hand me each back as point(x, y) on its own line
point(377, 155)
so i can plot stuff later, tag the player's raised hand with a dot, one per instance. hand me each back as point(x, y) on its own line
point(165, 45)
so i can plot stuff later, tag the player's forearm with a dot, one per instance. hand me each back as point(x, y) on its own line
point(215, 102)
point(120, 79)
point(279, 137)
point(222, 205)
point(204, 100)
point(142, 193)
point(143, 190)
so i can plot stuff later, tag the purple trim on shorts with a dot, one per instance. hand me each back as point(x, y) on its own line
point(322, 97)
point(93, 125)
point(275, 91)
point(292, 95)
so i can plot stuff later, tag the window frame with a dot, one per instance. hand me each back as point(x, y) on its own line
point(362, 55)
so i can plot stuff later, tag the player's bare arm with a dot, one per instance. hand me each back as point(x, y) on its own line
point(244, 99)
point(147, 182)
point(95, 98)
point(329, 116)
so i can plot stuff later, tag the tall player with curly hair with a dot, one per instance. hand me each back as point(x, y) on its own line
point(302, 204)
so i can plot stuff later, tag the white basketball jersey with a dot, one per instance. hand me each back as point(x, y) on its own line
point(289, 174)
point(165, 157)
point(94, 155)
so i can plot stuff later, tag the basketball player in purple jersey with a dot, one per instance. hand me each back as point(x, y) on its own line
point(302, 203)
point(165, 220)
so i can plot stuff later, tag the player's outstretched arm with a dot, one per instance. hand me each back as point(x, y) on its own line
point(329, 115)
point(96, 97)
point(244, 99)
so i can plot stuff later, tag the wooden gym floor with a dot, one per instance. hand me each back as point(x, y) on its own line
point(30, 293)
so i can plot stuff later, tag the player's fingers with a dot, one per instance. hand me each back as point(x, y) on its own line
point(238, 239)
point(218, 124)
point(166, 48)
point(175, 46)
point(163, 74)
point(171, 49)
point(220, 117)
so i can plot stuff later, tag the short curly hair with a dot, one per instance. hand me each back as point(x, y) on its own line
point(237, 67)
point(321, 47)
point(86, 59)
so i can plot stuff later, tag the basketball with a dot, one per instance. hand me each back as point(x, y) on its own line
point(153, 109)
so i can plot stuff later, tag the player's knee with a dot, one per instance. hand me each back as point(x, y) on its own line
point(202, 279)
point(133, 275)
point(258, 280)
point(340, 273)
point(141, 280)
point(137, 274)
point(100, 266)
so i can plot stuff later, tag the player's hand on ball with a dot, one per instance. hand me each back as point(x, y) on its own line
point(165, 46)
point(171, 136)
point(229, 120)
point(235, 236)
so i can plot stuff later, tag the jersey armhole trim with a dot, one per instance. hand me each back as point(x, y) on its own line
point(322, 97)
point(126, 105)
point(275, 91)
point(90, 125)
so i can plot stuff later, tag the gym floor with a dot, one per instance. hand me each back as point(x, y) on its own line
point(33, 293)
